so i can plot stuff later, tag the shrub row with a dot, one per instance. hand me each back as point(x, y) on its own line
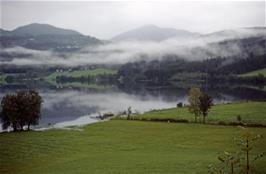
point(171, 120)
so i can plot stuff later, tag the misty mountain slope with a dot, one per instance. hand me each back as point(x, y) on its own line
point(36, 29)
point(237, 33)
point(220, 59)
point(4, 32)
point(163, 71)
point(240, 48)
point(157, 34)
point(153, 33)
point(75, 50)
point(46, 37)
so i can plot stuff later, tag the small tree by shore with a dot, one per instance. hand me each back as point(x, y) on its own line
point(20, 109)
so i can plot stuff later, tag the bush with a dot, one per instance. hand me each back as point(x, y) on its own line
point(238, 118)
point(221, 122)
point(235, 123)
point(179, 105)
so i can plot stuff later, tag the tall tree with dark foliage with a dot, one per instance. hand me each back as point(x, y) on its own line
point(205, 105)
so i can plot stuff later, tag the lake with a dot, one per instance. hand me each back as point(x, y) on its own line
point(72, 105)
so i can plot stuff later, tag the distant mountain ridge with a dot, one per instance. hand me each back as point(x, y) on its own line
point(157, 34)
point(4, 32)
point(47, 37)
point(238, 33)
point(44, 36)
point(153, 33)
point(42, 29)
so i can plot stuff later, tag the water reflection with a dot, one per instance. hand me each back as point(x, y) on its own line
point(69, 104)
point(76, 105)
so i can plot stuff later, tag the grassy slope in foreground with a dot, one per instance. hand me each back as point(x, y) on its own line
point(255, 73)
point(121, 147)
point(79, 73)
point(250, 112)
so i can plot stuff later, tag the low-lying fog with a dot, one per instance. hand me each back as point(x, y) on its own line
point(122, 52)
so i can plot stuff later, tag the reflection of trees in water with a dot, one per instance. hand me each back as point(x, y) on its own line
point(167, 92)
point(246, 93)
point(223, 93)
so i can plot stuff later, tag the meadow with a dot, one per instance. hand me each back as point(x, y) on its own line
point(120, 146)
point(134, 147)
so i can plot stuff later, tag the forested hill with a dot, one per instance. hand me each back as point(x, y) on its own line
point(252, 56)
point(161, 71)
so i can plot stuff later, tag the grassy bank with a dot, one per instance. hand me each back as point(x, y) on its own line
point(121, 147)
point(250, 112)
point(255, 73)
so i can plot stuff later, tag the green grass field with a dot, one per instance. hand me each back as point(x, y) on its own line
point(250, 112)
point(255, 73)
point(121, 147)
point(79, 73)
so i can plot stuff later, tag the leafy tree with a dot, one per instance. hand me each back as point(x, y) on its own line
point(204, 105)
point(193, 99)
point(32, 107)
point(9, 113)
point(21, 109)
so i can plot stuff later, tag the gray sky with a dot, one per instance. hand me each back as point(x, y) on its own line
point(107, 19)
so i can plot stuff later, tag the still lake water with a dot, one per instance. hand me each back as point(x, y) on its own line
point(77, 106)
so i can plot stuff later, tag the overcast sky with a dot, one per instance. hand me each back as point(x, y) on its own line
point(107, 19)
